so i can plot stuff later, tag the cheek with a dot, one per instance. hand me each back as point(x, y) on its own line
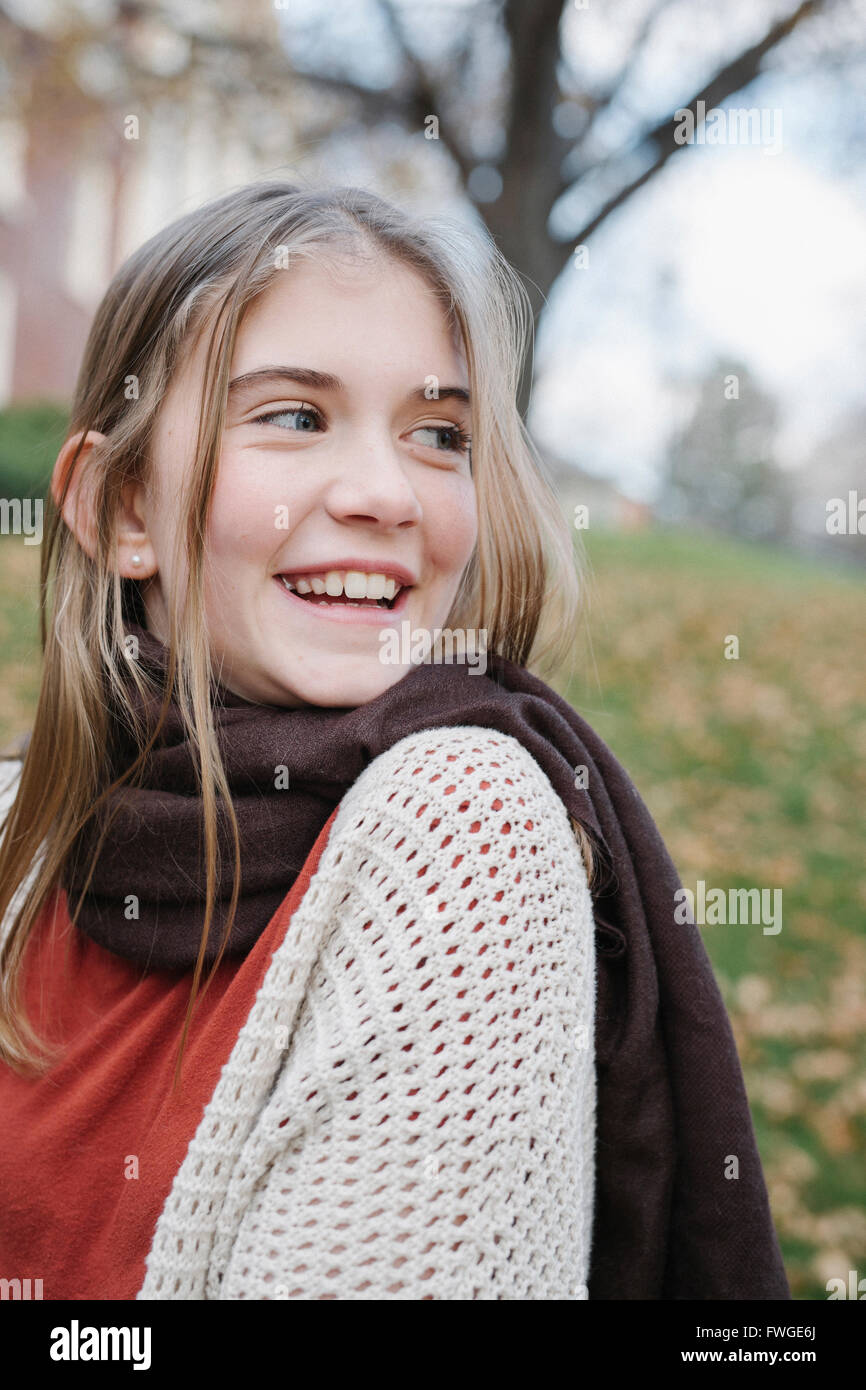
point(243, 523)
point(452, 538)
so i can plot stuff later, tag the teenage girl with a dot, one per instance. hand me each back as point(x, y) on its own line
point(327, 974)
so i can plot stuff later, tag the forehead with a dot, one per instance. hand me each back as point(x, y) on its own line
point(355, 318)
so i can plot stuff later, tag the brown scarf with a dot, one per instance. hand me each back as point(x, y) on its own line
point(671, 1102)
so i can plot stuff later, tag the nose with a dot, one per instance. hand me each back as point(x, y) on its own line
point(370, 483)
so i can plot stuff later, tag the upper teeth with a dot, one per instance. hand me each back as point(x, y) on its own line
point(352, 583)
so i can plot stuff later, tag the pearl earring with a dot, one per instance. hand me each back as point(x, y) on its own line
point(136, 559)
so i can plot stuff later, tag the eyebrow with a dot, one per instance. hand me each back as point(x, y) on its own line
point(324, 381)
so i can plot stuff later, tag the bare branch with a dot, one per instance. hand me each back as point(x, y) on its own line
point(596, 104)
point(730, 79)
point(423, 100)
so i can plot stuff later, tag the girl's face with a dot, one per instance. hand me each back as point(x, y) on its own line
point(333, 462)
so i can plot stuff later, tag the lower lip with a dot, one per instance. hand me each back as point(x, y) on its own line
point(342, 613)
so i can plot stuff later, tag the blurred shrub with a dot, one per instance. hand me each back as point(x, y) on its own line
point(30, 437)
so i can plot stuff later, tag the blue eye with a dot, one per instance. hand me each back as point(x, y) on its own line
point(459, 440)
point(446, 439)
point(303, 412)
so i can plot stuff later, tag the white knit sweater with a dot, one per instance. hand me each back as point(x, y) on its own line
point(409, 1109)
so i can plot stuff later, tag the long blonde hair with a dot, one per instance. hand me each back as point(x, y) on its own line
point(195, 277)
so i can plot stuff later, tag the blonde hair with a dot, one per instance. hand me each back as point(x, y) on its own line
point(198, 276)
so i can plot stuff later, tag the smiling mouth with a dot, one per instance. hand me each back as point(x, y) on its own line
point(304, 589)
point(330, 609)
point(340, 600)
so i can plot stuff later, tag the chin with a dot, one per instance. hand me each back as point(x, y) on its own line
point(348, 686)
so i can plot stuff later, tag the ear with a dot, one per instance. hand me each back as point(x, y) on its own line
point(136, 557)
point(78, 505)
point(79, 510)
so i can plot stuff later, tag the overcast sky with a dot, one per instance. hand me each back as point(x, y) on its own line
point(728, 253)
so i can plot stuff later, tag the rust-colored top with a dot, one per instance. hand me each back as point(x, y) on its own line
point(89, 1150)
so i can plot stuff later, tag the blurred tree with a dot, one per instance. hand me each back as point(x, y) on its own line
point(721, 471)
point(546, 138)
point(830, 511)
point(539, 134)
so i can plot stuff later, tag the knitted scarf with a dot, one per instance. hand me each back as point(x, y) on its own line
point(670, 1222)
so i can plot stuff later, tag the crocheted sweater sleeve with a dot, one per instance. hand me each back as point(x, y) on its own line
point(431, 1132)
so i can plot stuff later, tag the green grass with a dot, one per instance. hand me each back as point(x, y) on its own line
point(755, 772)
point(30, 436)
point(19, 636)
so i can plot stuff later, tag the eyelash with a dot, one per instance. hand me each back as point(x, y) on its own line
point(463, 444)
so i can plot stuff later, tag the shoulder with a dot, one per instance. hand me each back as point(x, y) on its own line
point(464, 790)
point(466, 767)
point(467, 752)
